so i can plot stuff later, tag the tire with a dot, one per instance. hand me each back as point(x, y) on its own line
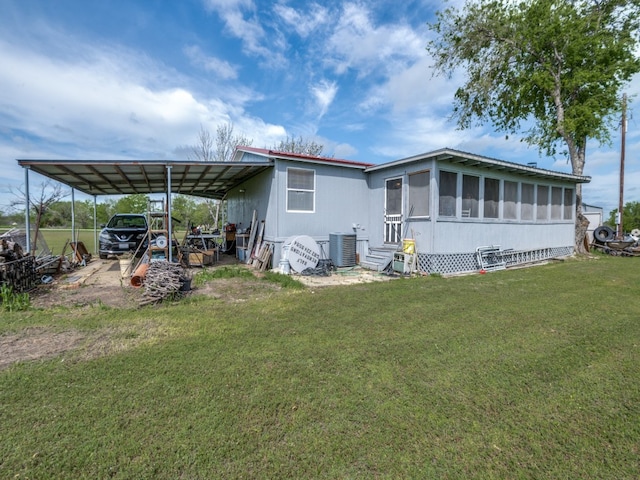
point(603, 234)
point(103, 256)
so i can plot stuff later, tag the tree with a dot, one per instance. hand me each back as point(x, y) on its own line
point(135, 203)
point(299, 145)
point(183, 208)
point(630, 216)
point(220, 149)
point(551, 69)
point(50, 193)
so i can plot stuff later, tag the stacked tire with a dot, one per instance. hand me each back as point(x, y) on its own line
point(604, 234)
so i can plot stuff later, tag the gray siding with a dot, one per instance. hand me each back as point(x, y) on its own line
point(341, 199)
point(436, 234)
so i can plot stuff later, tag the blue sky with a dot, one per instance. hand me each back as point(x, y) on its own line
point(136, 79)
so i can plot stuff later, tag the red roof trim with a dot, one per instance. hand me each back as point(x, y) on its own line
point(274, 153)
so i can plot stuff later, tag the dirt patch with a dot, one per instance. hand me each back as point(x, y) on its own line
point(100, 284)
point(35, 344)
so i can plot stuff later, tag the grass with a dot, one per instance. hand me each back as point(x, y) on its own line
point(234, 271)
point(531, 373)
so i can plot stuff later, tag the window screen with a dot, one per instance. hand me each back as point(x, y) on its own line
point(491, 198)
point(543, 203)
point(419, 194)
point(568, 204)
point(556, 203)
point(526, 203)
point(470, 196)
point(447, 196)
point(510, 209)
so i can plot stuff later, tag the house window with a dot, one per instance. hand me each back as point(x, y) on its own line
point(526, 204)
point(568, 204)
point(491, 198)
point(556, 203)
point(300, 190)
point(543, 203)
point(447, 197)
point(510, 208)
point(470, 196)
point(419, 194)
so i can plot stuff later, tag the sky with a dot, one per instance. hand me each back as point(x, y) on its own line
point(139, 79)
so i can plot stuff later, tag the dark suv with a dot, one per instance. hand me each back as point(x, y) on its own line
point(123, 234)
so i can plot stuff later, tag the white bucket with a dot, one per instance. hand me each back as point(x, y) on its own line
point(125, 267)
point(284, 266)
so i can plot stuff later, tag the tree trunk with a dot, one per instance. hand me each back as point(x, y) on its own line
point(582, 223)
point(577, 154)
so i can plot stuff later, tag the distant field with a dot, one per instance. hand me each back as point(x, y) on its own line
point(56, 239)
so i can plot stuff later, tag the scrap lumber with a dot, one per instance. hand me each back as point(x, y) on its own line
point(162, 280)
point(266, 258)
point(258, 244)
point(252, 234)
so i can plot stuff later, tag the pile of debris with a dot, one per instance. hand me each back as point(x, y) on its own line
point(164, 280)
point(23, 271)
point(605, 240)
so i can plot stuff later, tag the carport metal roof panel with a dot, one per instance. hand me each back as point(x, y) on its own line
point(126, 177)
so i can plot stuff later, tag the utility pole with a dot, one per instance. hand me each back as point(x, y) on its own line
point(620, 231)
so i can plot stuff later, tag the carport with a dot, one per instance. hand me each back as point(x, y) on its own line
point(126, 177)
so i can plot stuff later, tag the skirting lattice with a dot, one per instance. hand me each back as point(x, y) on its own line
point(449, 263)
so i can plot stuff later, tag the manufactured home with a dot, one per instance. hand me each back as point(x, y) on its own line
point(453, 206)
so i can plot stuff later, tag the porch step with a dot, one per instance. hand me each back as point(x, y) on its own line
point(379, 258)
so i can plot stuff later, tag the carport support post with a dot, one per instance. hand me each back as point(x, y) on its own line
point(27, 220)
point(95, 224)
point(169, 220)
point(73, 217)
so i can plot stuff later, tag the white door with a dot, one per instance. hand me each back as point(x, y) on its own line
point(393, 211)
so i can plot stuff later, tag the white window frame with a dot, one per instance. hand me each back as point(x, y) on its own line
point(312, 191)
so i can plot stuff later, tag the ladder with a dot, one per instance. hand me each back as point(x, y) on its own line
point(158, 235)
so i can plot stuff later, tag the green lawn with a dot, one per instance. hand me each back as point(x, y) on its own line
point(531, 373)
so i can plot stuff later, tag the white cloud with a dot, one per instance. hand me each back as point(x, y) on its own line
point(324, 94)
point(97, 102)
point(249, 30)
point(358, 44)
point(344, 150)
point(220, 68)
point(304, 24)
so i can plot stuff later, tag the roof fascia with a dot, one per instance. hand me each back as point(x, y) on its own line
point(455, 156)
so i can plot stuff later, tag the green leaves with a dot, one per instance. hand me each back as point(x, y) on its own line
point(556, 66)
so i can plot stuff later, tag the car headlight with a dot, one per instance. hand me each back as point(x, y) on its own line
point(105, 237)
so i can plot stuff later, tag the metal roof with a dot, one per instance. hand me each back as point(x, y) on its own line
point(126, 177)
point(469, 159)
point(264, 152)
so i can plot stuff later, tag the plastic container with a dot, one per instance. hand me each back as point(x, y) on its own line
point(409, 246)
point(125, 267)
